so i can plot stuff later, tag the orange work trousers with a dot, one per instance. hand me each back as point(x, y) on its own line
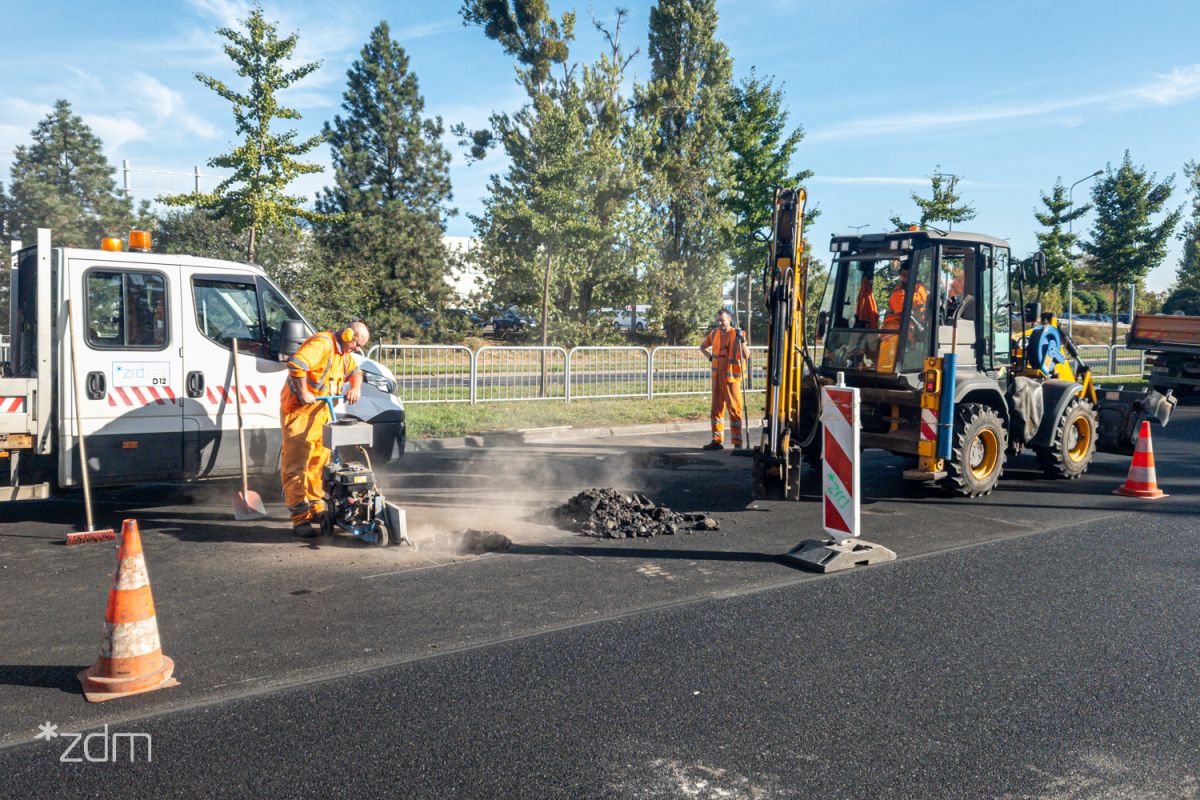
point(304, 456)
point(727, 396)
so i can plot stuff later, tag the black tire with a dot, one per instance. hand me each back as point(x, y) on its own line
point(979, 446)
point(1074, 442)
point(381, 530)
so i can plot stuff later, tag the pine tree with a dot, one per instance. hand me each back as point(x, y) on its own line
point(1056, 243)
point(944, 203)
point(391, 186)
point(689, 162)
point(63, 181)
point(1188, 274)
point(254, 197)
point(762, 151)
point(1125, 243)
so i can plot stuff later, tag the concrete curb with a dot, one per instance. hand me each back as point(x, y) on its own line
point(546, 435)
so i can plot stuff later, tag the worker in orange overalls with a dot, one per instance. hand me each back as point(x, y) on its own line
point(895, 314)
point(320, 367)
point(726, 350)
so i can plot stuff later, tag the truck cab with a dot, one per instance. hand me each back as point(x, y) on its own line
point(151, 336)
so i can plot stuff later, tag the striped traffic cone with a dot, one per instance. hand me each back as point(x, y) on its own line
point(1141, 481)
point(131, 659)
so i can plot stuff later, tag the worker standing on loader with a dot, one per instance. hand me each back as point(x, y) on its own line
point(320, 367)
point(726, 350)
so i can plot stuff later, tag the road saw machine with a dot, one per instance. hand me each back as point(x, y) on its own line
point(954, 371)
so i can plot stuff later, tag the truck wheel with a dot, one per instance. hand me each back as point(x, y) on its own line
point(977, 457)
point(1074, 442)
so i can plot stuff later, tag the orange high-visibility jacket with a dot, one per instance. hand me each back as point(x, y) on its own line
point(866, 310)
point(726, 361)
point(896, 304)
point(320, 362)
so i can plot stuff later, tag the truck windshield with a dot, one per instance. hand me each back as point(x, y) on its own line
point(862, 318)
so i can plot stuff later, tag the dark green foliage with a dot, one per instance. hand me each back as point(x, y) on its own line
point(1126, 243)
point(1188, 275)
point(763, 149)
point(689, 162)
point(63, 181)
point(391, 184)
point(254, 198)
point(1057, 244)
point(943, 205)
point(1186, 301)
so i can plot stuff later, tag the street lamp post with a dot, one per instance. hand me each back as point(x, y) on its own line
point(1070, 228)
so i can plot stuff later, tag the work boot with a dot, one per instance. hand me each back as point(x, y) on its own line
point(713, 445)
point(305, 530)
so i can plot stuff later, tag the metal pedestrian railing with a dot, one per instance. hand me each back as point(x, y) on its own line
point(456, 374)
point(520, 373)
point(609, 372)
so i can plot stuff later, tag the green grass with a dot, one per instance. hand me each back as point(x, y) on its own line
point(461, 419)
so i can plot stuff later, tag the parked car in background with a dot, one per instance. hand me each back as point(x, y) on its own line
point(624, 320)
point(512, 323)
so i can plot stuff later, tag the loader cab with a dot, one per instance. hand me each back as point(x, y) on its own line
point(893, 299)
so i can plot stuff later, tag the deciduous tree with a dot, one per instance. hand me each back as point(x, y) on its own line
point(266, 161)
point(1055, 242)
point(1126, 243)
point(944, 203)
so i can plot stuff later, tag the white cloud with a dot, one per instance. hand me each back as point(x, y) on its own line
point(228, 13)
point(169, 109)
point(1179, 86)
point(114, 131)
point(427, 29)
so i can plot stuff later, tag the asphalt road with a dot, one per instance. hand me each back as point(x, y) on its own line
point(1041, 642)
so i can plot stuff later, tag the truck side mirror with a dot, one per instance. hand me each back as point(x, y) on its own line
point(292, 335)
point(1039, 264)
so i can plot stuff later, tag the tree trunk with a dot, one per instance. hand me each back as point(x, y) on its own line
point(749, 303)
point(252, 248)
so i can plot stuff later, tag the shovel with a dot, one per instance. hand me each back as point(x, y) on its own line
point(246, 504)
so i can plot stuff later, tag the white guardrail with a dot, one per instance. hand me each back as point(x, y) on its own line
point(435, 373)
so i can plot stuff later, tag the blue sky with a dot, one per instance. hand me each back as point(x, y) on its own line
point(1008, 94)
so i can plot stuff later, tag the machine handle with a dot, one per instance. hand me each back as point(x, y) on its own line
point(195, 383)
point(96, 386)
point(329, 398)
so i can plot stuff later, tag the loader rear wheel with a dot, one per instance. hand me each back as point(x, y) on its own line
point(1074, 442)
point(977, 456)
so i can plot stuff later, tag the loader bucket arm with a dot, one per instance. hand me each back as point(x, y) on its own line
point(777, 457)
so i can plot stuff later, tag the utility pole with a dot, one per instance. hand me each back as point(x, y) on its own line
point(1070, 227)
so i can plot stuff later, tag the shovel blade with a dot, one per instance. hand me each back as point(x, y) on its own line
point(248, 505)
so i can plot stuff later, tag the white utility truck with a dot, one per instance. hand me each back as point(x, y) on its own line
point(152, 341)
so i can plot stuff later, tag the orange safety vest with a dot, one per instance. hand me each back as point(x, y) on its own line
point(727, 357)
point(896, 305)
point(866, 309)
point(320, 362)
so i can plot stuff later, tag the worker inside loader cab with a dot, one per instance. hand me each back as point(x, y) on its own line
point(725, 347)
point(895, 315)
point(322, 366)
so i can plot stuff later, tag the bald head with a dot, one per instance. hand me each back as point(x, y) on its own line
point(362, 335)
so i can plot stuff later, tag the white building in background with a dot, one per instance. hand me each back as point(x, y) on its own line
point(465, 277)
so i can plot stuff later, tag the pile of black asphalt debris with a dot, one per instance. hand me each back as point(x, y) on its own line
point(609, 514)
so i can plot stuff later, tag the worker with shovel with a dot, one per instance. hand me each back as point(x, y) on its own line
point(726, 350)
point(320, 367)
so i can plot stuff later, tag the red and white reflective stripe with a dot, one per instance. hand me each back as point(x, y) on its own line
point(929, 424)
point(12, 405)
point(251, 395)
point(840, 477)
point(138, 396)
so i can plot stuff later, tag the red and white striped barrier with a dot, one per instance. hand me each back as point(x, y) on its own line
point(840, 489)
point(840, 475)
point(12, 405)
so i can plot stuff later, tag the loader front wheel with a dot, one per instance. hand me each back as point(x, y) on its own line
point(1074, 442)
point(977, 457)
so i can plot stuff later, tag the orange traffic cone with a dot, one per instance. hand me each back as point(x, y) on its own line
point(1141, 481)
point(131, 659)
